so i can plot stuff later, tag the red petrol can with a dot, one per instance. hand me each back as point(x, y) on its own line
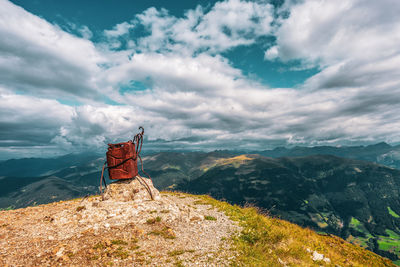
point(122, 161)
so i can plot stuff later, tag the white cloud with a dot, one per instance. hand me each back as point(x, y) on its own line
point(330, 32)
point(271, 53)
point(227, 24)
point(28, 121)
point(40, 58)
point(85, 32)
point(119, 29)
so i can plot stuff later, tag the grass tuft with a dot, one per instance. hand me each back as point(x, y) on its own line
point(151, 221)
point(165, 232)
point(176, 252)
point(119, 242)
point(210, 218)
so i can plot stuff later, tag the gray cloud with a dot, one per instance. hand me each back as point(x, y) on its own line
point(39, 58)
point(195, 99)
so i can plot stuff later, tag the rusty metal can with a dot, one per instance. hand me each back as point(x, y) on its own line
point(122, 161)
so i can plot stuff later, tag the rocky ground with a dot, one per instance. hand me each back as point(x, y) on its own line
point(122, 228)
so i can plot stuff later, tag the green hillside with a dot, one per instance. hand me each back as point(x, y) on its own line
point(356, 200)
point(269, 241)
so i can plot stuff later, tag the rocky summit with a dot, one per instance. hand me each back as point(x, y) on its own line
point(124, 227)
point(128, 226)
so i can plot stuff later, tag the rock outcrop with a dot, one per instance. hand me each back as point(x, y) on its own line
point(138, 190)
point(124, 228)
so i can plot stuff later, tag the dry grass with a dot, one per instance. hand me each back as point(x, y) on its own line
point(266, 241)
point(165, 232)
point(235, 161)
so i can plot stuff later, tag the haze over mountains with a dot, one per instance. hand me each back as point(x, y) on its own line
point(79, 173)
point(381, 153)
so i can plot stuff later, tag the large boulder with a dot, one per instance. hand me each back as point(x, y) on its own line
point(138, 189)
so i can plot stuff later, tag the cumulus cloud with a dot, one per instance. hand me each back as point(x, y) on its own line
point(327, 32)
point(227, 24)
point(355, 44)
point(40, 58)
point(29, 123)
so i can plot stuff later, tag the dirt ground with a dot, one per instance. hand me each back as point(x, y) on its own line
point(174, 230)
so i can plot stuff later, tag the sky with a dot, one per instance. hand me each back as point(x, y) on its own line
point(197, 75)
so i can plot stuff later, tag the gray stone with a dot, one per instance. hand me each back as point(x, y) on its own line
point(317, 256)
point(136, 190)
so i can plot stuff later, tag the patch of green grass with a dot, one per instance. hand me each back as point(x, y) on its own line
point(391, 212)
point(164, 211)
point(134, 247)
point(165, 232)
point(139, 253)
point(397, 262)
point(153, 220)
point(120, 253)
point(210, 218)
point(179, 263)
point(99, 246)
point(9, 208)
point(359, 240)
point(390, 243)
point(392, 234)
point(119, 242)
point(176, 252)
point(199, 202)
point(354, 223)
point(359, 226)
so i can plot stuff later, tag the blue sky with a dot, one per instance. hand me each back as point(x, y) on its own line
point(203, 75)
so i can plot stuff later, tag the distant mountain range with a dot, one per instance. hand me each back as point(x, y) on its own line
point(381, 153)
point(79, 173)
point(35, 181)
